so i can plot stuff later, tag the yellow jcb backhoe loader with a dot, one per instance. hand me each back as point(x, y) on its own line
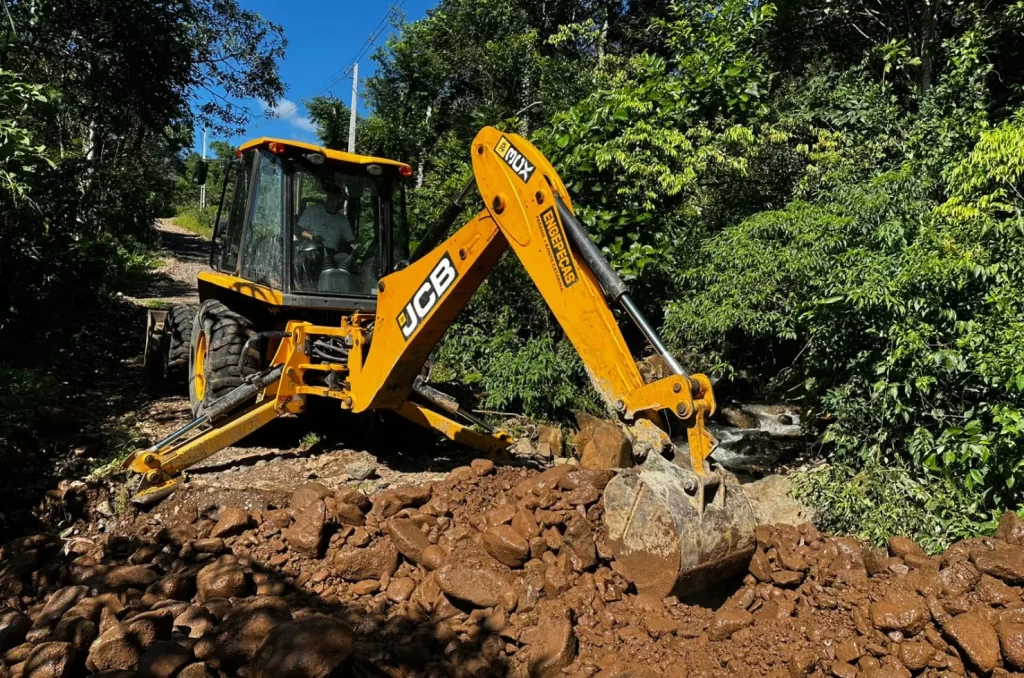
point(314, 294)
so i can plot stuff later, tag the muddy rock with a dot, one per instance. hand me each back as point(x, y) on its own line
point(175, 586)
point(239, 636)
point(343, 512)
point(902, 611)
point(433, 557)
point(306, 535)
point(56, 605)
point(121, 646)
point(312, 647)
point(195, 670)
point(231, 521)
point(901, 547)
point(1011, 639)
point(991, 591)
point(390, 502)
point(601, 444)
point(129, 577)
point(471, 582)
point(14, 624)
point(585, 485)
point(978, 640)
point(408, 538)
point(164, 659)
point(77, 631)
point(1003, 563)
point(482, 467)
point(728, 621)
point(760, 566)
point(372, 562)
point(551, 436)
point(506, 545)
point(50, 660)
point(208, 545)
point(1010, 529)
point(916, 654)
point(222, 579)
point(307, 493)
point(551, 644)
point(959, 578)
point(579, 539)
point(195, 622)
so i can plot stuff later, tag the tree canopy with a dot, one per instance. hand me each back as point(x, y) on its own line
point(819, 201)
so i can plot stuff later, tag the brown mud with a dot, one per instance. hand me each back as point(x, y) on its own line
point(490, 571)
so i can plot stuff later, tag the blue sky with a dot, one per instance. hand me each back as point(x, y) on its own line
point(323, 38)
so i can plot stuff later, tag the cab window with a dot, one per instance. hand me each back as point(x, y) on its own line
point(337, 214)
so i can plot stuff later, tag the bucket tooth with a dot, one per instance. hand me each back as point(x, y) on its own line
point(674, 532)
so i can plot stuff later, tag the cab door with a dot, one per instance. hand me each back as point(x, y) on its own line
point(227, 234)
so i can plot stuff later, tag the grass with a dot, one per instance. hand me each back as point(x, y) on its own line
point(190, 222)
point(120, 441)
point(309, 440)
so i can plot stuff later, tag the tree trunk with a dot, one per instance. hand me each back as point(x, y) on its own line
point(423, 150)
point(928, 44)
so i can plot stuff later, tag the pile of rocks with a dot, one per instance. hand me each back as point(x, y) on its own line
point(492, 571)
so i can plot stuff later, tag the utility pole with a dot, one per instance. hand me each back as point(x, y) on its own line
point(202, 189)
point(352, 114)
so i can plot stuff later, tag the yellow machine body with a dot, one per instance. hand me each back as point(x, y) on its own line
point(415, 305)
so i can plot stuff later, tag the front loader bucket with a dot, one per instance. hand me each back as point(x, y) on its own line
point(674, 532)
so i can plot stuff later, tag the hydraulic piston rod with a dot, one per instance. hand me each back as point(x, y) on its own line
point(612, 285)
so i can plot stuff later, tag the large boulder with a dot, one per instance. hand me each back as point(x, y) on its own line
point(312, 647)
point(223, 578)
point(244, 628)
point(306, 535)
point(601, 444)
point(371, 562)
point(231, 521)
point(50, 660)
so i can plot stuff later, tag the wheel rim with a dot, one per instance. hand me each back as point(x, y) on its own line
point(199, 371)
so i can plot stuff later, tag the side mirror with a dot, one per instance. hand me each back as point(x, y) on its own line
point(199, 173)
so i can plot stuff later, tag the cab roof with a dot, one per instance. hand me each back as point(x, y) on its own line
point(326, 152)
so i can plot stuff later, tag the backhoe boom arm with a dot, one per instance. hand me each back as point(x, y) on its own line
point(527, 209)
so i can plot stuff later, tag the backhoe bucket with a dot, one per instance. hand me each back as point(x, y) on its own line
point(674, 532)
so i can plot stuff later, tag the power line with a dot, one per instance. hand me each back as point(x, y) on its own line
point(343, 74)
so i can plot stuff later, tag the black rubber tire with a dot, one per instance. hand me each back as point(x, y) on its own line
point(179, 328)
point(226, 334)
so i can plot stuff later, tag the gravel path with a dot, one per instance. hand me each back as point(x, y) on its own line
point(184, 255)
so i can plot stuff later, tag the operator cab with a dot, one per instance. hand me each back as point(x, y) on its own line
point(303, 226)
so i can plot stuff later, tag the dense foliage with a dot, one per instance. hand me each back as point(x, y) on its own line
point(97, 102)
point(818, 200)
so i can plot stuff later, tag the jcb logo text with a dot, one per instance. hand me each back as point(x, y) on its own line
point(427, 295)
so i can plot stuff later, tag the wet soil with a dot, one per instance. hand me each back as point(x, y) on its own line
point(488, 571)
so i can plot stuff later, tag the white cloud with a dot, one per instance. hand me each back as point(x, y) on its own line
point(289, 111)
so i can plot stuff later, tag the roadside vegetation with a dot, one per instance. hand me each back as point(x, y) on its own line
point(818, 201)
point(98, 100)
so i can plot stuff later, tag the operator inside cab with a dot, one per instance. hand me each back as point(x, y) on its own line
point(326, 224)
